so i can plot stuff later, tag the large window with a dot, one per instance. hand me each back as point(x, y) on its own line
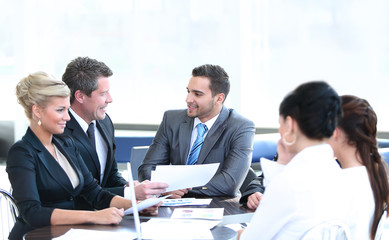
point(268, 47)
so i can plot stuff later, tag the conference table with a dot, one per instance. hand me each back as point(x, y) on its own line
point(233, 213)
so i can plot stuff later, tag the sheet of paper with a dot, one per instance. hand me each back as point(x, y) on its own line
point(198, 213)
point(95, 235)
point(184, 176)
point(270, 169)
point(145, 204)
point(165, 228)
point(207, 223)
point(186, 202)
point(238, 218)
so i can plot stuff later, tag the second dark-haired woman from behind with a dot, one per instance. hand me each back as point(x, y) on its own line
point(355, 146)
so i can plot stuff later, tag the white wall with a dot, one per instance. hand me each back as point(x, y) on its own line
point(268, 47)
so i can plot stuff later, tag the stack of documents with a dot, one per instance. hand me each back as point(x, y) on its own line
point(160, 228)
point(95, 235)
point(185, 223)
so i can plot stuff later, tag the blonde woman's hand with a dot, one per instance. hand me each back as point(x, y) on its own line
point(151, 211)
point(107, 216)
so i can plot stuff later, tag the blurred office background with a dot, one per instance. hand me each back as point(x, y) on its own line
point(267, 47)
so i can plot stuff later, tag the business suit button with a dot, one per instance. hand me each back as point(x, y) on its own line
point(71, 199)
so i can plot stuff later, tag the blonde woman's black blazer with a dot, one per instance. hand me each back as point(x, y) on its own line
point(39, 184)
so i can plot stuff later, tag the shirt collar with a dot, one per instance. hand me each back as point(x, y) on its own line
point(84, 125)
point(208, 123)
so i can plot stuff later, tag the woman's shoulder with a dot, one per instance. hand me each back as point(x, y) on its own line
point(21, 153)
point(19, 145)
point(356, 178)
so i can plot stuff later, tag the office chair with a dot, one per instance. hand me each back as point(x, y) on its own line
point(8, 212)
point(329, 230)
point(138, 153)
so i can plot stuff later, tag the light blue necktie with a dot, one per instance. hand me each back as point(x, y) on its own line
point(194, 153)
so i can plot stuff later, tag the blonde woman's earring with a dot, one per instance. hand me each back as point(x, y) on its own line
point(39, 122)
point(286, 142)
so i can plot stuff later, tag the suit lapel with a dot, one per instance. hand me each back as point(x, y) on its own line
point(52, 166)
point(78, 133)
point(185, 134)
point(105, 133)
point(213, 135)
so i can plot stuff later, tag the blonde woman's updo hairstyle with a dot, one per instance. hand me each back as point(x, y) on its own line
point(37, 88)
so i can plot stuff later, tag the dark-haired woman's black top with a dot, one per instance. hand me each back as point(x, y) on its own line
point(39, 184)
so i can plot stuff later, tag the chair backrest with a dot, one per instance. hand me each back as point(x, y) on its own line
point(124, 145)
point(381, 226)
point(8, 213)
point(138, 153)
point(383, 142)
point(329, 230)
point(265, 145)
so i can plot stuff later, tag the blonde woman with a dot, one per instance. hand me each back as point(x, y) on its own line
point(46, 171)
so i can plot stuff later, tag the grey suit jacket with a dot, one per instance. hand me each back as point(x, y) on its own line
point(229, 142)
point(112, 180)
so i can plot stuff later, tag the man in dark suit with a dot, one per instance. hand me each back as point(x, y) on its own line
point(92, 129)
point(228, 137)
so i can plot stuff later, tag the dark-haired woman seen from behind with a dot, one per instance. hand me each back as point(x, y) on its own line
point(46, 171)
point(306, 191)
point(355, 146)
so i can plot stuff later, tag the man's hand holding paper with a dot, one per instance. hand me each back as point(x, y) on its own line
point(182, 178)
point(147, 189)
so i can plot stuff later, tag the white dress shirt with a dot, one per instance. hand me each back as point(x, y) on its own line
point(69, 170)
point(101, 145)
point(306, 192)
point(209, 125)
point(361, 202)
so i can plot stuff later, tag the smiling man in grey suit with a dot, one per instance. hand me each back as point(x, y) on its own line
point(228, 138)
point(88, 80)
